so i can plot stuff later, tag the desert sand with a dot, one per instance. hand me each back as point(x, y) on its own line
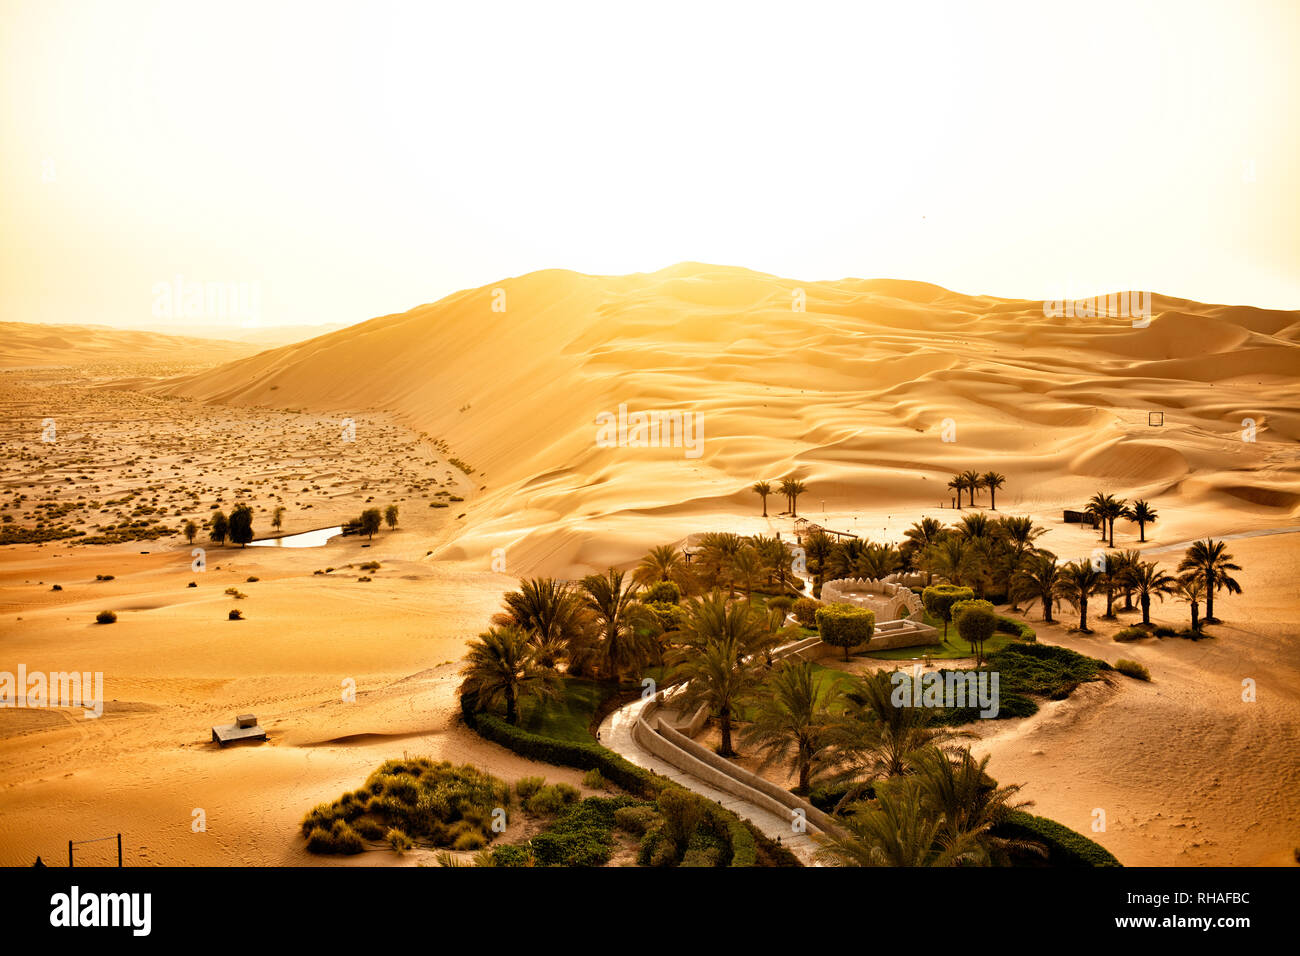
point(499, 408)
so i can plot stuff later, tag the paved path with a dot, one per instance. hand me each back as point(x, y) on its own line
point(616, 734)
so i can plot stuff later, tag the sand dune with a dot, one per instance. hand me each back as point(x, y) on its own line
point(28, 344)
point(851, 393)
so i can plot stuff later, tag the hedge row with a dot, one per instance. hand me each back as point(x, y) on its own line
point(612, 766)
point(1065, 847)
point(1009, 625)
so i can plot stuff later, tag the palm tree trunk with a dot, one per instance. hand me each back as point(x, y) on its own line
point(1209, 597)
point(512, 707)
point(1142, 531)
point(993, 499)
point(1047, 608)
point(725, 717)
point(1083, 612)
point(1146, 609)
point(1196, 625)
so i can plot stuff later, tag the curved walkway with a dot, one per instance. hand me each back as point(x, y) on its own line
point(616, 734)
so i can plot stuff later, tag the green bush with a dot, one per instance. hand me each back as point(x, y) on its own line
point(398, 840)
point(1065, 847)
point(1132, 669)
point(976, 622)
point(671, 617)
point(1131, 634)
point(593, 779)
point(662, 592)
point(939, 599)
point(513, 854)
point(435, 802)
point(551, 799)
point(581, 835)
point(525, 787)
point(106, 617)
point(636, 820)
point(338, 838)
point(805, 611)
point(843, 625)
point(1163, 631)
point(1018, 629)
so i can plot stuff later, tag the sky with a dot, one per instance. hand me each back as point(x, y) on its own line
point(327, 163)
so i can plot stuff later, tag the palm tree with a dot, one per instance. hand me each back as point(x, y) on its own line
point(879, 560)
point(1107, 508)
point(1038, 578)
point(718, 551)
point(762, 489)
point(922, 534)
point(1211, 560)
point(1019, 533)
point(874, 738)
point(957, 483)
point(792, 488)
point(818, 545)
point(845, 558)
point(719, 672)
point(1143, 514)
point(1149, 581)
point(625, 639)
point(748, 568)
point(948, 558)
point(993, 481)
point(661, 563)
point(1121, 565)
point(792, 720)
point(958, 787)
point(895, 829)
point(974, 527)
point(500, 666)
point(972, 480)
point(712, 617)
point(277, 517)
point(549, 612)
point(1191, 588)
point(1078, 582)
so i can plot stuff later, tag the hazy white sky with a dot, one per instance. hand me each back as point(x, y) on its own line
point(349, 160)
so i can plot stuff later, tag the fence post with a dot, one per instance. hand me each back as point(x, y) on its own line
point(119, 851)
point(69, 854)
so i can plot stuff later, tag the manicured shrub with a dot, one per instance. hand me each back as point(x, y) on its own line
point(1065, 847)
point(106, 617)
point(662, 592)
point(551, 799)
point(1132, 669)
point(780, 603)
point(1017, 629)
point(939, 599)
point(976, 622)
point(805, 611)
point(843, 625)
point(671, 617)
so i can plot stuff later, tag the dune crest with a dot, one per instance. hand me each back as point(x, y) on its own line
point(847, 383)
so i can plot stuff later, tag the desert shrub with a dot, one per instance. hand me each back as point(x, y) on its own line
point(551, 799)
point(437, 803)
point(236, 593)
point(939, 599)
point(513, 854)
point(192, 584)
point(636, 820)
point(338, 838)
point(581, 835)
point(252, 579)
point(843, 625)
point(593, 779)
point(56, 587)
point(1163, 631)
point(525, 787)
point(398, 840)
point(106, 617)
point(104, 577)
point(370, 566)
point(805, 611)
point(662, 592)
point(235, 615)
point(1131, 634)
point(1132, 669)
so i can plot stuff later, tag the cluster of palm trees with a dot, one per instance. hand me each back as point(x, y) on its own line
point(791, 487)
point(1106, 508)
point(1206, 568)
point(723, 560)
point(972, 481)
